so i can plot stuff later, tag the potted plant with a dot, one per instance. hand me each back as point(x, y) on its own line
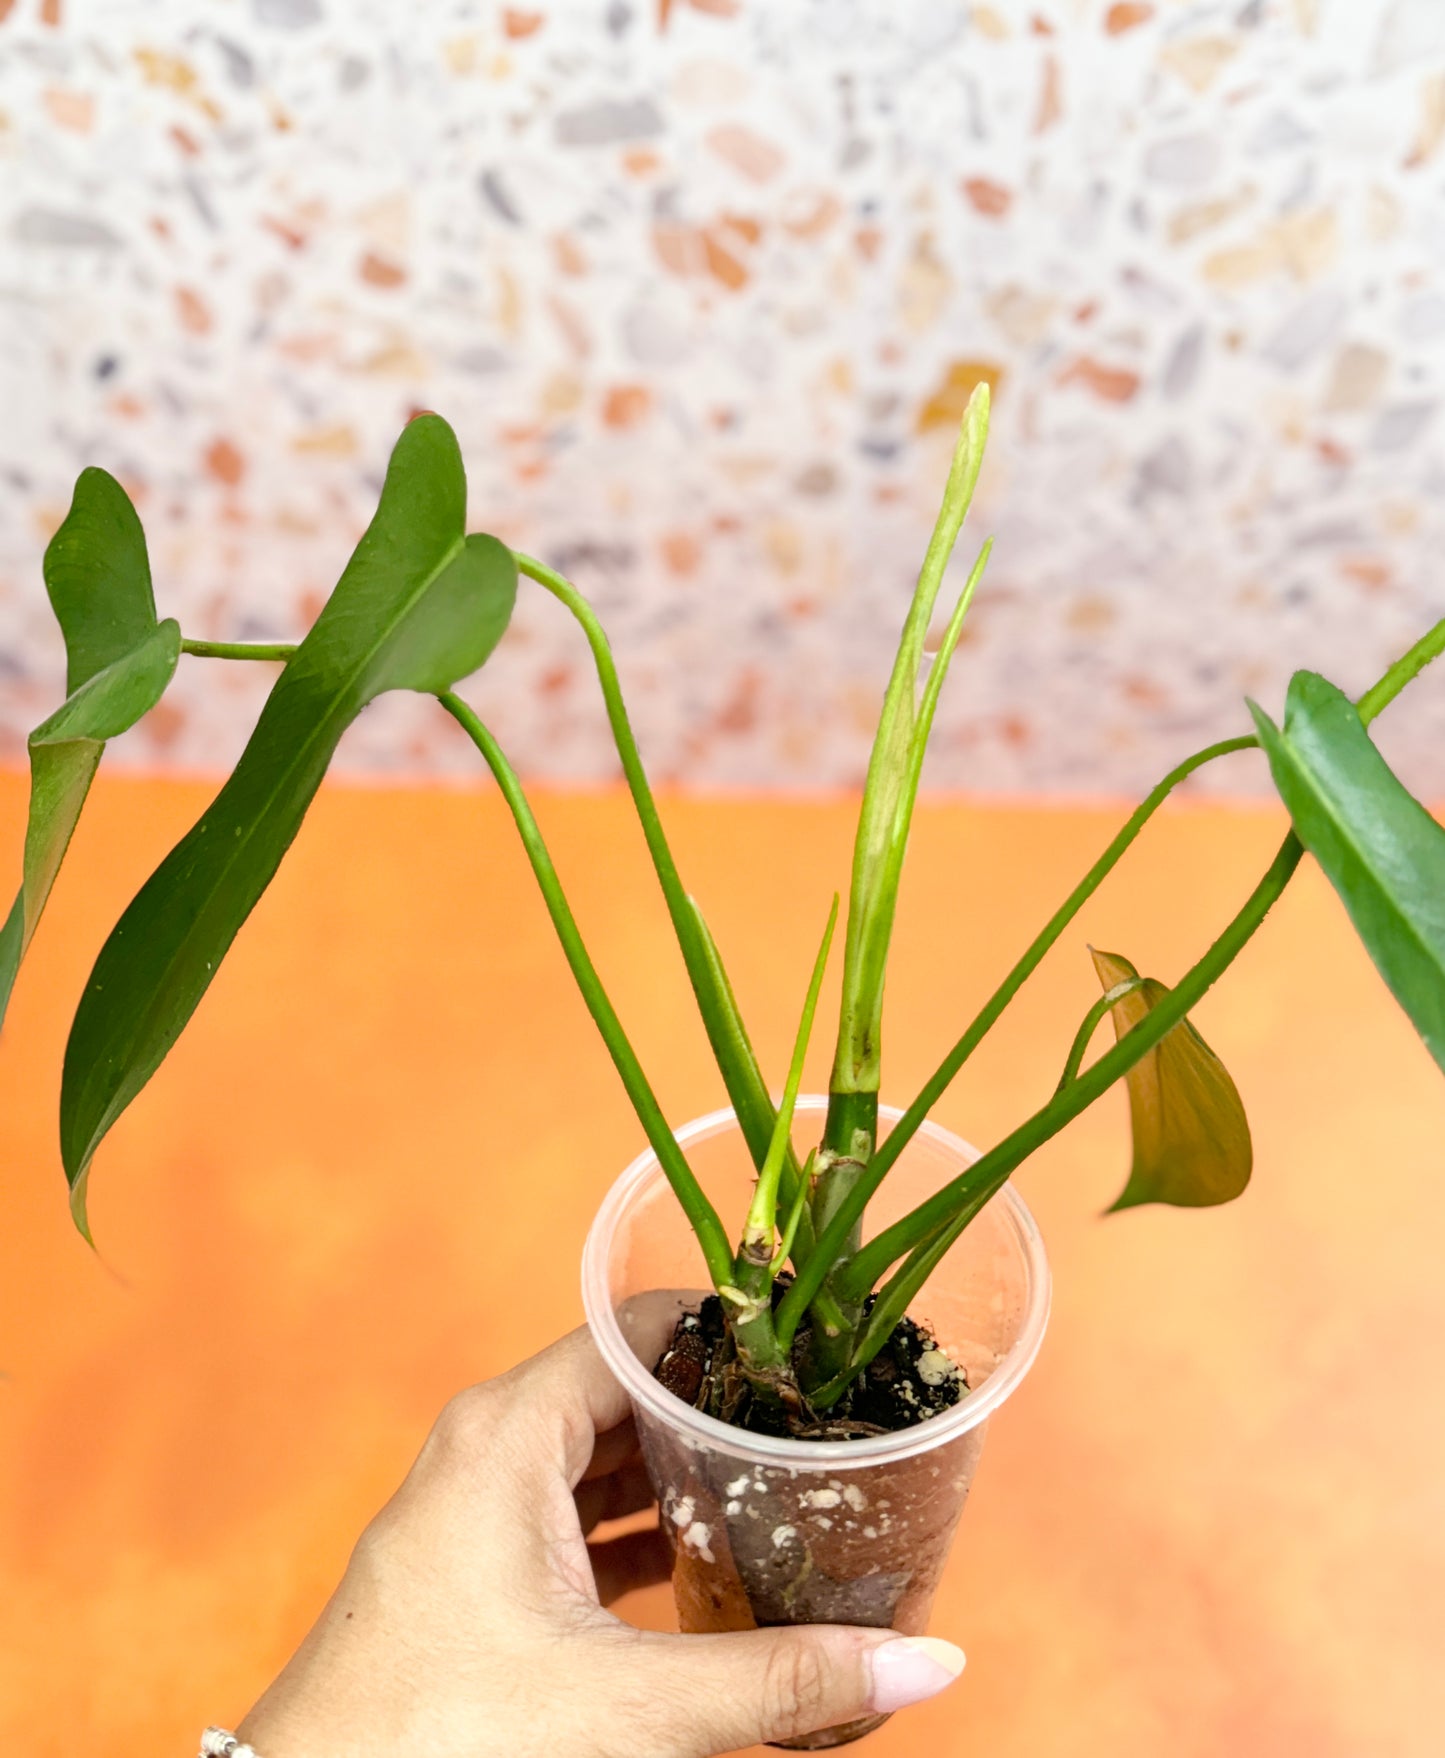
point(811, 1381)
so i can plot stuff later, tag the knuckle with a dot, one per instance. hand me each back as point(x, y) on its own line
point(371, 1555)
point(575, 1437)
point(467, 1423)
point(796, 1687)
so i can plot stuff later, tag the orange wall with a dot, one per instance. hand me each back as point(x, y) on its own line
point(1211, 1522)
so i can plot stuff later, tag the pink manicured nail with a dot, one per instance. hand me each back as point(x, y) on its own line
point(910, 1669)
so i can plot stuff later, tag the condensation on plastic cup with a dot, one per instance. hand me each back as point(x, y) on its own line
point(618, 1256)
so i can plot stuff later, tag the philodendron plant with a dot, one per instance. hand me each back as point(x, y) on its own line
point(808, 1301)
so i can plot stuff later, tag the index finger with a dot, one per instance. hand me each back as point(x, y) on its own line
point(572, 1393)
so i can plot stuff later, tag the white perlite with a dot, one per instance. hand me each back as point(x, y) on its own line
point(934, 1367)
point(696, 1538)
point(821, 1498)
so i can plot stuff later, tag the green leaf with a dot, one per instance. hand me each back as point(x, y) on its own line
point(1380, 849)
point(893, 770)
point(1191, 1137)
point(11, 936)
point(419, 606)
point(119, 661)
point(99, 578)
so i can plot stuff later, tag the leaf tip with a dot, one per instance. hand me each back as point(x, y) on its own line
point(1264, 725)
point(1111, 967)
point(78, 1208)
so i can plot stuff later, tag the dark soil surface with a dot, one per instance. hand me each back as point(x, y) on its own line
point(909, 1380)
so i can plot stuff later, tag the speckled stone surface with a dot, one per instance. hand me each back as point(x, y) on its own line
point(702, 286)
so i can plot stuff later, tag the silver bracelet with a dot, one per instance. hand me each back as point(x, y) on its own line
point(217, 1743)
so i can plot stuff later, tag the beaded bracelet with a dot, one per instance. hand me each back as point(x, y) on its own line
point(217, 1743)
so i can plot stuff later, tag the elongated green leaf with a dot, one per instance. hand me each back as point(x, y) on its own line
point(10, 938)
point(1191, 1137)
point(886, 812)
point(119, 661)
point(419, 606)
point(1380, 849)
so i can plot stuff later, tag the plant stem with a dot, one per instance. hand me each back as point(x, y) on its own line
point(894, 770)
point(1091, 1024)
point(844, 1149)
point(832, 1238)
point(893, 1301)
point(726, 1033)
point(761, 1223)
point(790, 1231)
point(803, 1235)
point(902, 1132)
point(1405, 669)
point(919, 1232)
point(281, 650)
point(851, 1126)
point(850, 1136)
point(702, 1216)
point(989, 1173)
point(749, 1301)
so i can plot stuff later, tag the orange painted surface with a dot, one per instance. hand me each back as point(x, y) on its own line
point(1212, 1521)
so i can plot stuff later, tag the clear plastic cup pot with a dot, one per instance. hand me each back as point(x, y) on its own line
point(767, 1530)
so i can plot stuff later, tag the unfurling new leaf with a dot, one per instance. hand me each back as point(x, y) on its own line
point(419, 606)
point(119, 661)
point(1191, 1139)
point(1380, 849)
point(894, 767)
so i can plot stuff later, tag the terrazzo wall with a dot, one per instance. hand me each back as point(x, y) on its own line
point(703, 285)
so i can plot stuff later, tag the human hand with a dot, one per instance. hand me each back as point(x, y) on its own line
point(469, 1621)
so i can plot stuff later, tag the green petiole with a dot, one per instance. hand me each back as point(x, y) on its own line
point(281, 650)
point(795, 1215)
point(915, 1230)
point(703, 1217)
point(965, 1194)
point(1091, 1024)
point(460, 590)
point(833, 1237)
point(761, 1220)
point(722, 1022)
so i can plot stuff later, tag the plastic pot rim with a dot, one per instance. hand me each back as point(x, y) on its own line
point(706, 1431)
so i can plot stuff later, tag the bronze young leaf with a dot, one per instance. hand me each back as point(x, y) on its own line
point(1191, 1138)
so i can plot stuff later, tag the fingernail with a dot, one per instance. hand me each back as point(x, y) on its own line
point(910, 1669)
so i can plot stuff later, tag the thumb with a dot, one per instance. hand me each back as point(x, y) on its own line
point(701, 1695)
